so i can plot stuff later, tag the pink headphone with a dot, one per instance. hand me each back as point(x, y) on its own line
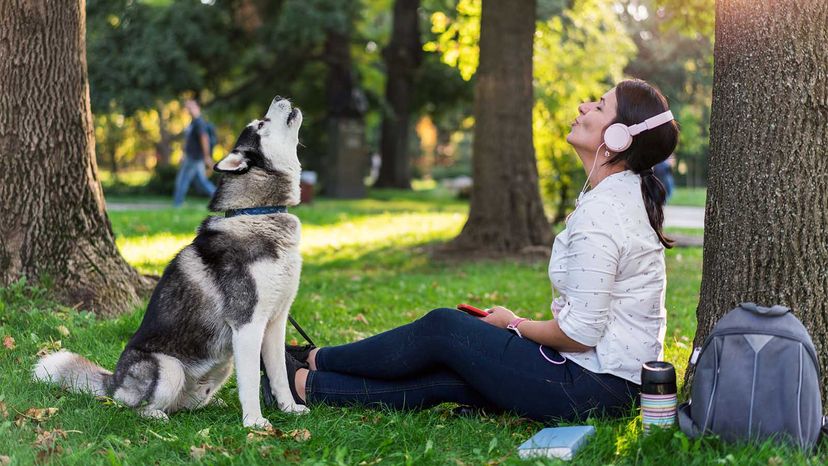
point(619, 136)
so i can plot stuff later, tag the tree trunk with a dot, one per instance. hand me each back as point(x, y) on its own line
point(163, 148)
point(766, 218)
point(347, 154)
point(55, 229)
point(506, 213)
point(402, 57)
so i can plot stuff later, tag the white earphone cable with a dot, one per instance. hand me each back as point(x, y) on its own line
point(594, 162)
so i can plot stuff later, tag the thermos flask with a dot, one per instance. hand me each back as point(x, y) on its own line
point(658, 395)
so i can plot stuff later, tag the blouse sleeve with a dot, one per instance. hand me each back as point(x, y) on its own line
point(595, 246)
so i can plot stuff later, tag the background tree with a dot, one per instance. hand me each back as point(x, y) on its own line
point(402, 58)
point(56, 229)
point(506, 212)
point(765, 220)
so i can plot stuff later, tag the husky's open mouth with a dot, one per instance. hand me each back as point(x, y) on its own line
point(292, 115)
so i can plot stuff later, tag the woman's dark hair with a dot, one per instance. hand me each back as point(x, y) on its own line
point(637, 101)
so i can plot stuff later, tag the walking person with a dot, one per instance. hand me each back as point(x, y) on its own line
point(198, 157)
point(609, 316)
point(664, 172)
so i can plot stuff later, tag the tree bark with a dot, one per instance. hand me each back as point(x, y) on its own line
point(402, 57)
point(766, 217)
point(55, 230)
point(347, 154)
point(163, 147)
point(506, 213)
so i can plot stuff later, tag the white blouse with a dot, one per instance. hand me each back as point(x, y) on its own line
point(608, 267)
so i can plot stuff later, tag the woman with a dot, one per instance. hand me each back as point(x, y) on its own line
point(607, 265)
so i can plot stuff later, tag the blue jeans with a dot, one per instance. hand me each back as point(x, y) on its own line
point(188, 170)
point(450, 356)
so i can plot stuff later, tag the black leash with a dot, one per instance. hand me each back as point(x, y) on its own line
point(299, 329)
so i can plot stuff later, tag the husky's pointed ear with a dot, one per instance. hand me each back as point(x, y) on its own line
point(235, 162)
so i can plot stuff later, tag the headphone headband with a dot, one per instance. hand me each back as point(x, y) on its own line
point(652, 122)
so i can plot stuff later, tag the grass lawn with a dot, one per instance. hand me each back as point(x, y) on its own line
point(694, 197)
point(365, 270)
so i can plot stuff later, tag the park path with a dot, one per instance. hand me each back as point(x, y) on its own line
point(683, 216)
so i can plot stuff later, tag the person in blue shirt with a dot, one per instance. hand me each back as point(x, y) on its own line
point(197, 159)
point(664, 172)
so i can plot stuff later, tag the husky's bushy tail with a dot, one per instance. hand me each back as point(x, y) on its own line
point(72, 372)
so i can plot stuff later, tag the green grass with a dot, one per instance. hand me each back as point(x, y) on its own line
point(360, 257)
point(694, 197)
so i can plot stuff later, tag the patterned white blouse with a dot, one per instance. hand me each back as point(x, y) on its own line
point(608, 267)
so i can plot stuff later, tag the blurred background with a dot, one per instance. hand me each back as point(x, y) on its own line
point(346, 61)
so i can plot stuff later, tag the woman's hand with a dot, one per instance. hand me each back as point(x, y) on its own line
point(499, 316)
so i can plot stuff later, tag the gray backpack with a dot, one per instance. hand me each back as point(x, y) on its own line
point(757, 377)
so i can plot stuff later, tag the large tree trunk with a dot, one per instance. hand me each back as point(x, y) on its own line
point(766, 219)
point(347, 154)
point(163, 147)
point(54, 229)
point(402, 57)
point(506, 212)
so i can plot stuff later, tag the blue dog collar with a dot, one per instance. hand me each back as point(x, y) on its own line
point(279, 209)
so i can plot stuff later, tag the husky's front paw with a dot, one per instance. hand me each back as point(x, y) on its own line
point(256, 421)
point(293, 408)
point(155, 414)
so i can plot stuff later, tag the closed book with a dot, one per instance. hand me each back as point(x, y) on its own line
point(556, 442)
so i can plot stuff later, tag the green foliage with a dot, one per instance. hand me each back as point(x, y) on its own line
point(675, 43)
point(578, 56)
point(142, 52)
point(457, 39)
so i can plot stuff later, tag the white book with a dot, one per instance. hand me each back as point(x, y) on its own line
point(556, 442)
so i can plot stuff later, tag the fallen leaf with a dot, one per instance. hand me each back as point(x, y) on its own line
point(4, 460)
point(197, 453)
point(3, 411)
point(8, 342)
point(63, 330)
point(293, 455)
point(300, 435)
point(361, 318)
point(269, 432)
point(38, 414)
point(44, 454)
point(204, 433)
point(48, 348)
point(775, 461)
point(47, 438)
point(264, 450)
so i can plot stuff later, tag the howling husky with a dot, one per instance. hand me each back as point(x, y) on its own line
point(223, 299)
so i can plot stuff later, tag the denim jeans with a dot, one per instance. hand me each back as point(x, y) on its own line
point(450, 356)
point(188, 170)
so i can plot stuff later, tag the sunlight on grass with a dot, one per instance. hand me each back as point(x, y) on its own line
point(347, 239)
point(354, 238)
point(151, 253)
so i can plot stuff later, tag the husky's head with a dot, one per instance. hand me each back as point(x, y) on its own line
point(262, 169)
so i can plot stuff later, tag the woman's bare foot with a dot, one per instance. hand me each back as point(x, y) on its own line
point(300, 381)
point(312, 359)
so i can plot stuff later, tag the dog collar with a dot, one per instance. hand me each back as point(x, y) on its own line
point(279, 209)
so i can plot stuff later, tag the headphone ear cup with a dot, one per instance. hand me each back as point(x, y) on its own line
point(617, 137)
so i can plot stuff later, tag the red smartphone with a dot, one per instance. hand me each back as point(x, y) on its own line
point(472, 310)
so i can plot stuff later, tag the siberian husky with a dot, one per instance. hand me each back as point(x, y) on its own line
point(224, 299)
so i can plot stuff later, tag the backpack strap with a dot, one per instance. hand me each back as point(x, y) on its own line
point(773, 311)
point(686, 423)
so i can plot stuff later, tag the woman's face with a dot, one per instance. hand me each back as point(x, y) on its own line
point(588, 129)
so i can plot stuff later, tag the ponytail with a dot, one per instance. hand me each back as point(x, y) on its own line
point(654, 196)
